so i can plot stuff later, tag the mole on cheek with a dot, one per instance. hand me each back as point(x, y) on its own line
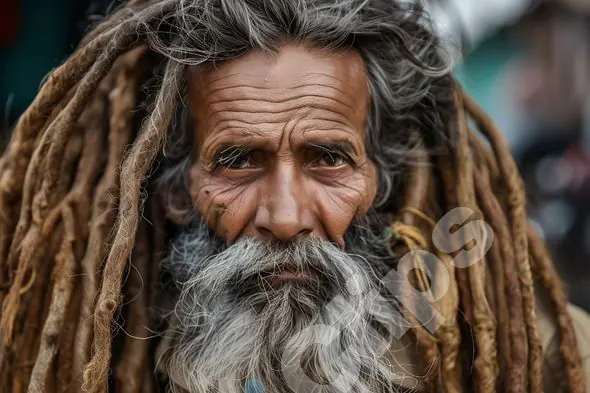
point(218, 210)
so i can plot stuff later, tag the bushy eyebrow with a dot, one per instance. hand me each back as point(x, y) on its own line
point(343, 147)
point(228, 153)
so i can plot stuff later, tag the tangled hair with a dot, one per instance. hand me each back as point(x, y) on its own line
point(77, 199)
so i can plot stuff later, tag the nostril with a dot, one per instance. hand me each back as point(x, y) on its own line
point(265, 232)
point(304, 232)
point(282, 234)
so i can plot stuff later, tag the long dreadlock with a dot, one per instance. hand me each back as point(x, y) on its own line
point(76, 204)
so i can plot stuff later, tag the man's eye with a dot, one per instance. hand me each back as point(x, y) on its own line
point(328, 155)
point(332, 159)
point(234, 158)
point(240, 162)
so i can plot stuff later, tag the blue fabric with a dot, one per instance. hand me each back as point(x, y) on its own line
point(253, 385)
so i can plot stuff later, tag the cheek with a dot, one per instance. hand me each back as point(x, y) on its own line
point(370, 180)
point(226, 207)
point(341, 203)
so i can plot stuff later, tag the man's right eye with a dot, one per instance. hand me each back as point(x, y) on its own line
point(233, 158)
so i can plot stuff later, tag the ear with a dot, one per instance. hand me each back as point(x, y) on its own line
point(176, 209)
point(173, 192)
point(180, 219)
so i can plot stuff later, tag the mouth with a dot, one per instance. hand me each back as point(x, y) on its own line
point(288, 276)
point(307, 279)
point(296, 280)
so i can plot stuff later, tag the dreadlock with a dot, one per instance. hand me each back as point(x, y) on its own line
point(82, 230)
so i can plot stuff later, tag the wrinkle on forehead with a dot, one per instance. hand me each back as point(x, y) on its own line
point(251, 80)
point(284, 67)
point(258, 88)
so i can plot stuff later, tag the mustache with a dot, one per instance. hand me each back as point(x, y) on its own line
point(202, 269)
point(196, 245)
point(283, 266)
point(249, 269)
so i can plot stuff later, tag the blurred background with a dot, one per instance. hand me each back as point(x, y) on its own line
point(527, 62)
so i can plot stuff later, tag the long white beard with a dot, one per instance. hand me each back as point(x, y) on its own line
point(234, 326)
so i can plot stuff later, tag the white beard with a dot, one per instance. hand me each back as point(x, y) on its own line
point(233, 328)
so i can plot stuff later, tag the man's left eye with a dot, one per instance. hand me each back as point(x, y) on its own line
point(234, 158)
point(332, 159)
point(240, 162)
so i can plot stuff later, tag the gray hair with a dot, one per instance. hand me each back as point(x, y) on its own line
point(230, 323)
point(407, 71)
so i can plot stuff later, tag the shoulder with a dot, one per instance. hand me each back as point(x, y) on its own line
point(548, 332)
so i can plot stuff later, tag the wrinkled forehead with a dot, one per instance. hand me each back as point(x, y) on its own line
point(292, 63)
point(338, 76)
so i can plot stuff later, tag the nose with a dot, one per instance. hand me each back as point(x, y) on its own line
point(285, 213)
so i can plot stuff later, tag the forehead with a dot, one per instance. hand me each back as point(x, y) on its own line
point(292, 64)
point(324, 78)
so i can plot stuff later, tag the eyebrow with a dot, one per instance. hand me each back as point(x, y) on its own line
point(339, 146)
point(244, 146)
point(332, 147)
point(234, 152)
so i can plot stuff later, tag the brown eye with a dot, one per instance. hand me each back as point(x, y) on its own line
point(328, 155)
point(233, 158)
point(332, 159)
point(240, 162)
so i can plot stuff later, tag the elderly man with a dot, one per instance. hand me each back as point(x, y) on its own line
point(282, 196)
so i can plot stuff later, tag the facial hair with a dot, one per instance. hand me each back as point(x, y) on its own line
point(235, 323)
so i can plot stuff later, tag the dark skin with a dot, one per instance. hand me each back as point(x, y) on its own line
point(281, 145)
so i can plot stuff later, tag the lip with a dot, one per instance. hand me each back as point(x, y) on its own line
point(289, 276)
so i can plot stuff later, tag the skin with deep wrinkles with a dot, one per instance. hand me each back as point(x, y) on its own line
point(280, 145)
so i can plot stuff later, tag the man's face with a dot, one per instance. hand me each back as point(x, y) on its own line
point(280, 144)
point(281, 179)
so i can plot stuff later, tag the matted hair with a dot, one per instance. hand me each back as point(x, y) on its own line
point(77, 202)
